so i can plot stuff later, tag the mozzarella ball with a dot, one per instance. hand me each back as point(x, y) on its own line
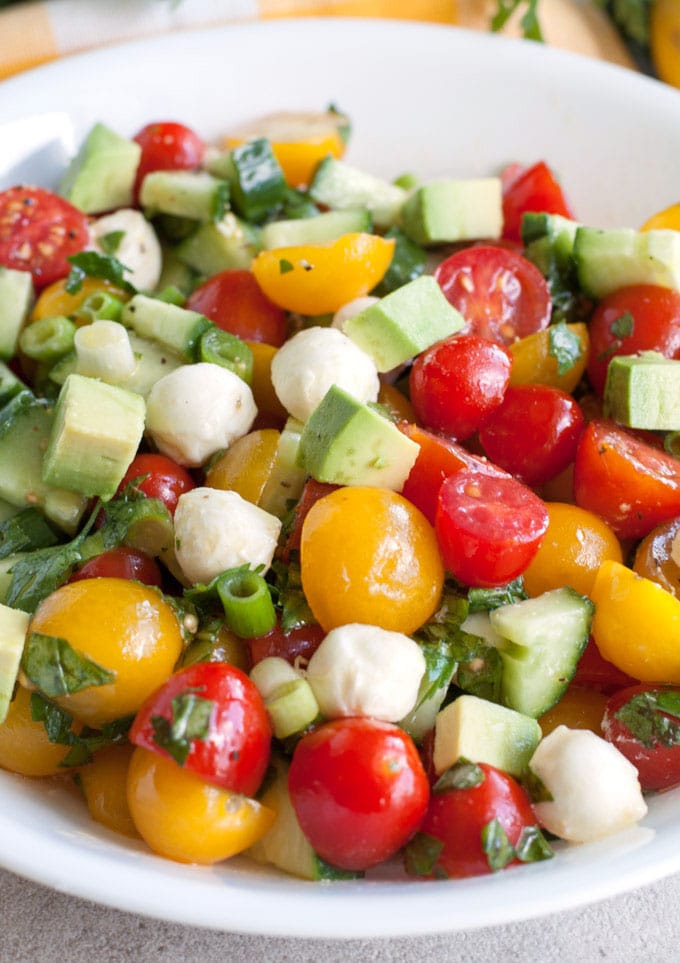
point(362, 670)
point(351, 309)
point(197, 410)
point(594, 788)
point(138, 248)
point(306, 366)
point(217, 530)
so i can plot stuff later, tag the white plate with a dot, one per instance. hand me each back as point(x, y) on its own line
point(433, 101)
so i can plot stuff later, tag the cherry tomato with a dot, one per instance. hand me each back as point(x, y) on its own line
point(657, 558)
point(104, 785)
point(437, 459)
point(166, 480)
point(210, 719)
point(489, 527)
point(501, 295)
point(299, 643)
point(235, 302)
point(311, 493)
point(456, 383)
point(530, 189)
point(359, 791)
point(579, 708)
point(642, 317)
point(533, 433)
point(467, 822)
point(122, 562)
point(643, 722)
point(25, 746)
point(38, 232)
point(167, 146)
point(627, 482)
point(595, 672)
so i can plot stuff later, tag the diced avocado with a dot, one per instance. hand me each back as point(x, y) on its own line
point(193, 194)
point(315, 230)
point(454, 210)
point(610, 259)
point(97, 430)
point(25, 425)
point(13, 628)
point(16, 300)
point(346, 442)
point(101, 176)
point(643, 391)
point(404, 323)
point(177, 329)
point(285, 845)
point(286, 478)
point(340, 186)
point(229, 243)
point(543, 639)
point(481, 731)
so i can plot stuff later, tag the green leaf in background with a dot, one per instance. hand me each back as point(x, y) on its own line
point(530, 24)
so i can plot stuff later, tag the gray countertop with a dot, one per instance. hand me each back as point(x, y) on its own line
point(41, 926)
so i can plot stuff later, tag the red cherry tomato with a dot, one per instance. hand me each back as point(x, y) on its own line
point(643, 722)
point(642, 317)
point(359, 791)
point(501, 295)
point(234, 301)
point(530, 189)
point(167, 146)
point(488, 527)
point(121, 562)
point(594, 672)
point(437, 459)
point(38, 232)
point(300, 643)
point(311, 493)
point(166, 480)
point(211, 720)
point(632, 485)
point(533, 433)
point(467, 821)
point(457, 382)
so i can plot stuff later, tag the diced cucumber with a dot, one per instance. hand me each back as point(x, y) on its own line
point(610, 259)
point(543, 639)
point(229, 243)
point(196, 195)
point(258, 187)
point(340, 186)
point(176, 329)
point(16, 300)
point(286, 478)
point(315, 230)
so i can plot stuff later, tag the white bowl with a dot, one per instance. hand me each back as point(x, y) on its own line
point(426, 99)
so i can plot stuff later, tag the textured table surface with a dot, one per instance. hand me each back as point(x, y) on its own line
point(42, 926)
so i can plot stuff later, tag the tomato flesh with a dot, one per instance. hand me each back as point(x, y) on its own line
point(122, 562)
point(654, 748)
point(162, 478)
point(167, 146)
point(528, 189)
point(298, 643)
point(234, 301)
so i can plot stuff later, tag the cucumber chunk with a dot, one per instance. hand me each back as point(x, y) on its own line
point(610, 259)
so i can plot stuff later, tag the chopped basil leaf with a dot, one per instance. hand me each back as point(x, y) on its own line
point(26, 531)
point(55, 667)
point(535, 787)
point(653, 717)
point(622, 327)
point(326, 870)
point(94, 265)
point(285, 266)
point(38, 574)
point(565, 347)
point(421, 854)
point(532, 846)
point(529, 21)
point(289, 598)
point(462, 775)
point(220, 204)
point(496, 845)
point(482, 675)
point(488, 599)
point(190, 719)
point(57, 721)
point(110, 242)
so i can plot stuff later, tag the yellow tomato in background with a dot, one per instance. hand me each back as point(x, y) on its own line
point(104, 785)
point(664, 40)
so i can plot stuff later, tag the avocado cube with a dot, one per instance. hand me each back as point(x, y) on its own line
point(480, 731)
point(643, 391)
point(16, 301)
point(454, 210)
point(404, 323)
point(96, 432)
point(346, 442)
point(102, 174)
point(13, 629)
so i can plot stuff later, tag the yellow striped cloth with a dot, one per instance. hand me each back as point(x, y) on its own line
point(36, 32)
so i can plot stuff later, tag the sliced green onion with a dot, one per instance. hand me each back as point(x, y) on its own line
point(248, 607)
point(221, 347)
point(48, 339)
point(292, 708)
point(100, 306)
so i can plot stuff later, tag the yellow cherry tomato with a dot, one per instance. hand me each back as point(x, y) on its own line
point(123, 626)
point(320, 278)
point(24, 745)
point(55, 300)
point(246, 465)
point(636, 624)
point(574, 546)
point(186, 819)
point(370, 556)
point(664, 39)
point(532, 362)
point(579, 708)
point(396, 402)
point(668, 219)
point(269, 407)
point(657, 557)
point(104, 785)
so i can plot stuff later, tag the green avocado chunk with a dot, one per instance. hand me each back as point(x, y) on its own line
point(643, 391)
point(454, 210)
point(101, 176)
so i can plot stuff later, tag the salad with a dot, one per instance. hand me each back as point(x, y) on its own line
point(340, 516)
